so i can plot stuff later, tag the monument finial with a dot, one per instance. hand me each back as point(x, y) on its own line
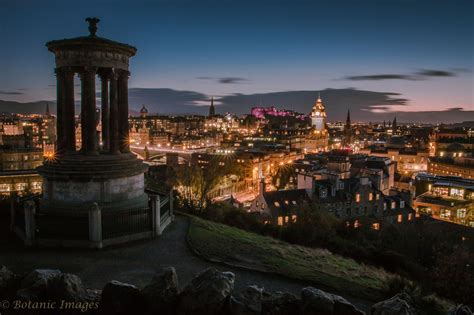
point(92, 25)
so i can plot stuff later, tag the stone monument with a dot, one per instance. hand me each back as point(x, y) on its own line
point(103, 174)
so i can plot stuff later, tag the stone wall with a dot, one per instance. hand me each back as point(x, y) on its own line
point(45, 291)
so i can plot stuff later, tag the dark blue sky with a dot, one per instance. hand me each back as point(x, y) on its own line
point(225, 47)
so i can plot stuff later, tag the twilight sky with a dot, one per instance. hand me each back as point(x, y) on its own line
point(421, 50)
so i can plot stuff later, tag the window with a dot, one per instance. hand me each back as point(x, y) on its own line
point(399, 218)
point(280, 221)
point(341, 185)
point(410, 216)
point(371, 196)
point(293, 218)
point(286, 219)
point(402, 204)
point(384, 206)
point(356, 224)
point(294, 202)
point(459, 193)
point(445, 214)
point(357, 197)
point(461, 213)
point(394, 205)
point(256, 203)
point(377, 196)
point(276, 203)
point(376, 226)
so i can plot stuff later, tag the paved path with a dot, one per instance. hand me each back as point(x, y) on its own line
point(136, 263)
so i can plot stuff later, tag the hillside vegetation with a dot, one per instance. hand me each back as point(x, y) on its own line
point(234, 246)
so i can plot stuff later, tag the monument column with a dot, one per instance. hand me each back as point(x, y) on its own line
point(124, 141)
point(113, 116)
point(104, 77)
point(60, 102)
point(88, 111)
point(69, 123)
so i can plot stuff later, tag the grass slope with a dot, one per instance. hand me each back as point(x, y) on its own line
point(227, 244)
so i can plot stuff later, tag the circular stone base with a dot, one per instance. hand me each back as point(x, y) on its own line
point(76, 182)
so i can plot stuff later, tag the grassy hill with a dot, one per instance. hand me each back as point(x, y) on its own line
point(230, 245)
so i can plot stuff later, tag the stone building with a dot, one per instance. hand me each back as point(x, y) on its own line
point(445, 198)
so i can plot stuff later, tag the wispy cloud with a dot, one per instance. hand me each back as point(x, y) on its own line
point(10, 93)
point(225, 80)
point(435, 73)
point(377, 77)
point(422, 74)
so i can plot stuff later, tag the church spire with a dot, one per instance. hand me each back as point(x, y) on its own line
point(212, 110)
point(348, 120)
point(47, 110)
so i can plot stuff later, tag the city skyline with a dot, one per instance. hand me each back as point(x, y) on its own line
point(247, 54)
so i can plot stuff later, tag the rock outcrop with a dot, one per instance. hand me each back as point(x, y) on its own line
point(400, 304)
point(207, 293)
point(161, 295)
point(210, 292)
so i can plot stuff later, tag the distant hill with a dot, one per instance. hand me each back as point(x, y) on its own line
point(38, 107)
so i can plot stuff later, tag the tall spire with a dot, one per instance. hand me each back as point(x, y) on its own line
point(47, 110)
point(212, 110)
point(348, 120)
point(394, 124)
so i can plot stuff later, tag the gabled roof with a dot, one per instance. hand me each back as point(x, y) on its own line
point(285, 201)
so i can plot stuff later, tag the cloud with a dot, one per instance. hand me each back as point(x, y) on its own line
point(435, 73)
point(11, 93)
point(364, 105)
point(377, 77)
point(225, 80)
point(231, 80)
point(422, 74)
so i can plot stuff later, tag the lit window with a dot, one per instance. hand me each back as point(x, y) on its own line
point(377, 196)
point(399, 218)
point(410, 216)
point(286, 202)
point(402, 203)
point(286, 219)
point(293, 202)
point(357, 197)
point(461, 213)
point(293, 218)
point(276, 203)
point(371, 196)
point(280, 221)
point(394, 205)
point(356, 224)
point(376, 226)
point(445, 214)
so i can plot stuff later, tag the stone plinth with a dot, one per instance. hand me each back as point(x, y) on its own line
point(114, 182)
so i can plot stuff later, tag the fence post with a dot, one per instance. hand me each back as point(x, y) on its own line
point(30, 224)
point(157, 215)
point(95, 226)
point(171, 205)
